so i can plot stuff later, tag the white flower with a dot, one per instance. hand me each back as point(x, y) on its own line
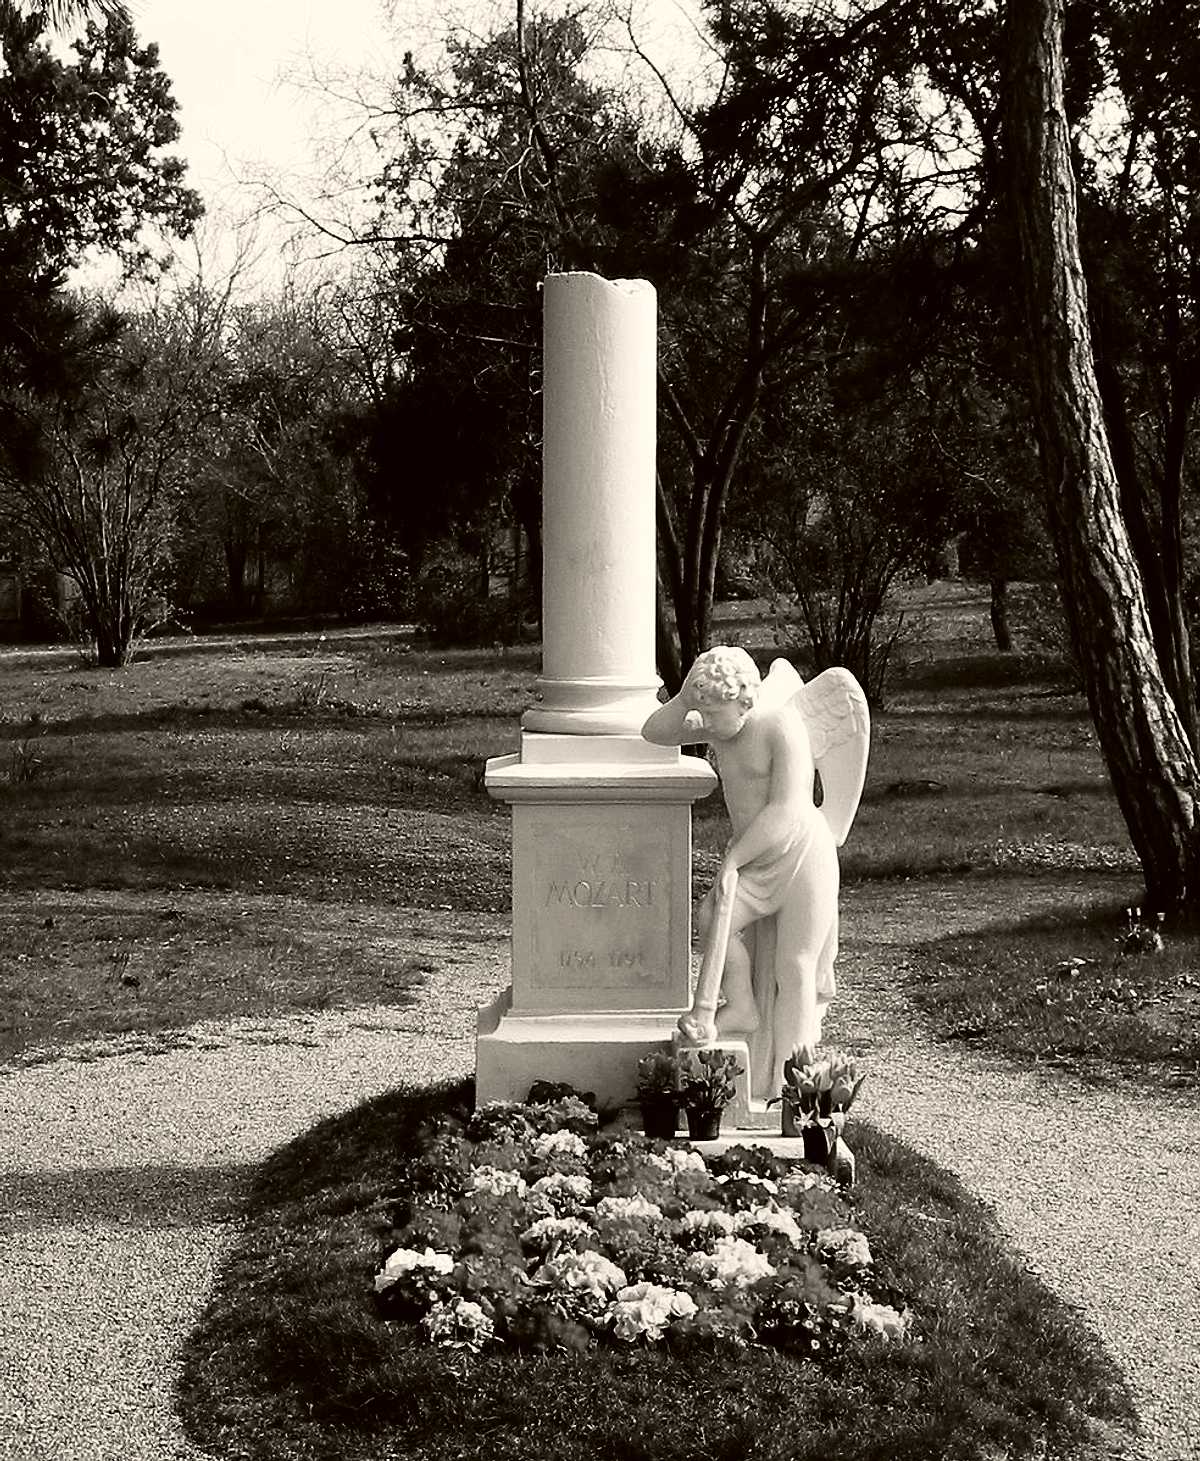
point(659, 1163)
point(647, 1308)
point(561, 1192)
point(765, 1183)
point(699, 1220)
point(559, 1143)
point(588, 1272)
point(684, 1159)
point(769, 1216)
point(882, 1318)
point(460, 1324)
point(404, 1260)
point(732, 1263)
point(636, 1206)
point(555, 1229)
point(801, 1181)
point(846, 1245)
point(497, 1181)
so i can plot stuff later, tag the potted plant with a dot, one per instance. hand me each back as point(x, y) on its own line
point(815, 1097)
point(658, 1093)
point(706, 1089)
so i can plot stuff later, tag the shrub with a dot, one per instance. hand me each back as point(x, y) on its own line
point(450, 609)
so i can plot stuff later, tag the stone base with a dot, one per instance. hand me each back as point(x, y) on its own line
point(789, 1147)
point(595, 1052)
point(592, 1052)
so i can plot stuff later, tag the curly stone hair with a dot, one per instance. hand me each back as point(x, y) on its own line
point(725, 673)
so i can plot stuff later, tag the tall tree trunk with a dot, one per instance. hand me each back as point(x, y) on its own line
point(1152, 513)
point(1001, 631)
point(235, 570)
point(666, 641)
point(1150, 759)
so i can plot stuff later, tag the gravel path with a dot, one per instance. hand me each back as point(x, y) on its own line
point(120, 1176)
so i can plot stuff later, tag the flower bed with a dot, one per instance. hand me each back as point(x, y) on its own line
point(527, 1225)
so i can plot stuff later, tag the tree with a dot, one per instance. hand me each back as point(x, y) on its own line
point(1142, 259)
point(764, 225)
point(63, 14)
point(82, 164)
point(1144, 739)
point(1131, 103)
point(81, 167)
point(847, 497)
point(737, 214)
point(277, 484)
point(97, 476)
point(489, 170)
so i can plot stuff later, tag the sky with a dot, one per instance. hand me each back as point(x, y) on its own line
point(252, 79)
point(243, 73)
point(229, 61)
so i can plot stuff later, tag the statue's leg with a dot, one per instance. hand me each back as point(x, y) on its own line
point(739, 1014)
point(803, 926)
point(703, 1023)
point(699, 1025)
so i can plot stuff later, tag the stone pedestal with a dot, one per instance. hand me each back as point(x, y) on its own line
point(601, 913)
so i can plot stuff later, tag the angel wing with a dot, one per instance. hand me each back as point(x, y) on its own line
point(835, 710)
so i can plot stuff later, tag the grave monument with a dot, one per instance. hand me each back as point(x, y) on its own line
point(601, 818)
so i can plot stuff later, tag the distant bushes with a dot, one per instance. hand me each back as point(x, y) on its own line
point(450, 608)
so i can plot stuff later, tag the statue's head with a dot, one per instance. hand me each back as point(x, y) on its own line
point(722, 674)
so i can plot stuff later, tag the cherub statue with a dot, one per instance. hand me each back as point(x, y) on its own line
point(770, 921)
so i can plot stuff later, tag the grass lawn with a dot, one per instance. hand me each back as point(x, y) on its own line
point(153, 819)
point(1065, 991)
point(226, 832)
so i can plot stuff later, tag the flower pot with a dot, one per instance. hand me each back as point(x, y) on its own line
point(704, 1122)
point(790, 1118)
point(660, 1116)
point(816, 1144)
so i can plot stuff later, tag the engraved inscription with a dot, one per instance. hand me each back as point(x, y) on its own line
point(603, 893)
point(599, 906)
point(588, 959)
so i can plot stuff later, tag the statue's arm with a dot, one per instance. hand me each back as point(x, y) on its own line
point(677, 723)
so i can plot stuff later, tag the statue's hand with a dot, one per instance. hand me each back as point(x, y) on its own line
point(687, 691)
point(698, 1028)
point(727, 878)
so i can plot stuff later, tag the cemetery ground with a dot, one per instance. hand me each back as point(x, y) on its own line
point(228, 833)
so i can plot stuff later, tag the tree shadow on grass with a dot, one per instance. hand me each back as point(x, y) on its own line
point(291, 1360)
point(990, 670)
point(160, 1196)
point(279, 714)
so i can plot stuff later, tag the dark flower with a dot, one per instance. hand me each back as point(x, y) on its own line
point(816, 1207)
point(756, 1160)
point(437, 1172)
point(650, 1258)
point(429, 1227)
point(500, 1121)
point(545, 1327)
point(712, 1331)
